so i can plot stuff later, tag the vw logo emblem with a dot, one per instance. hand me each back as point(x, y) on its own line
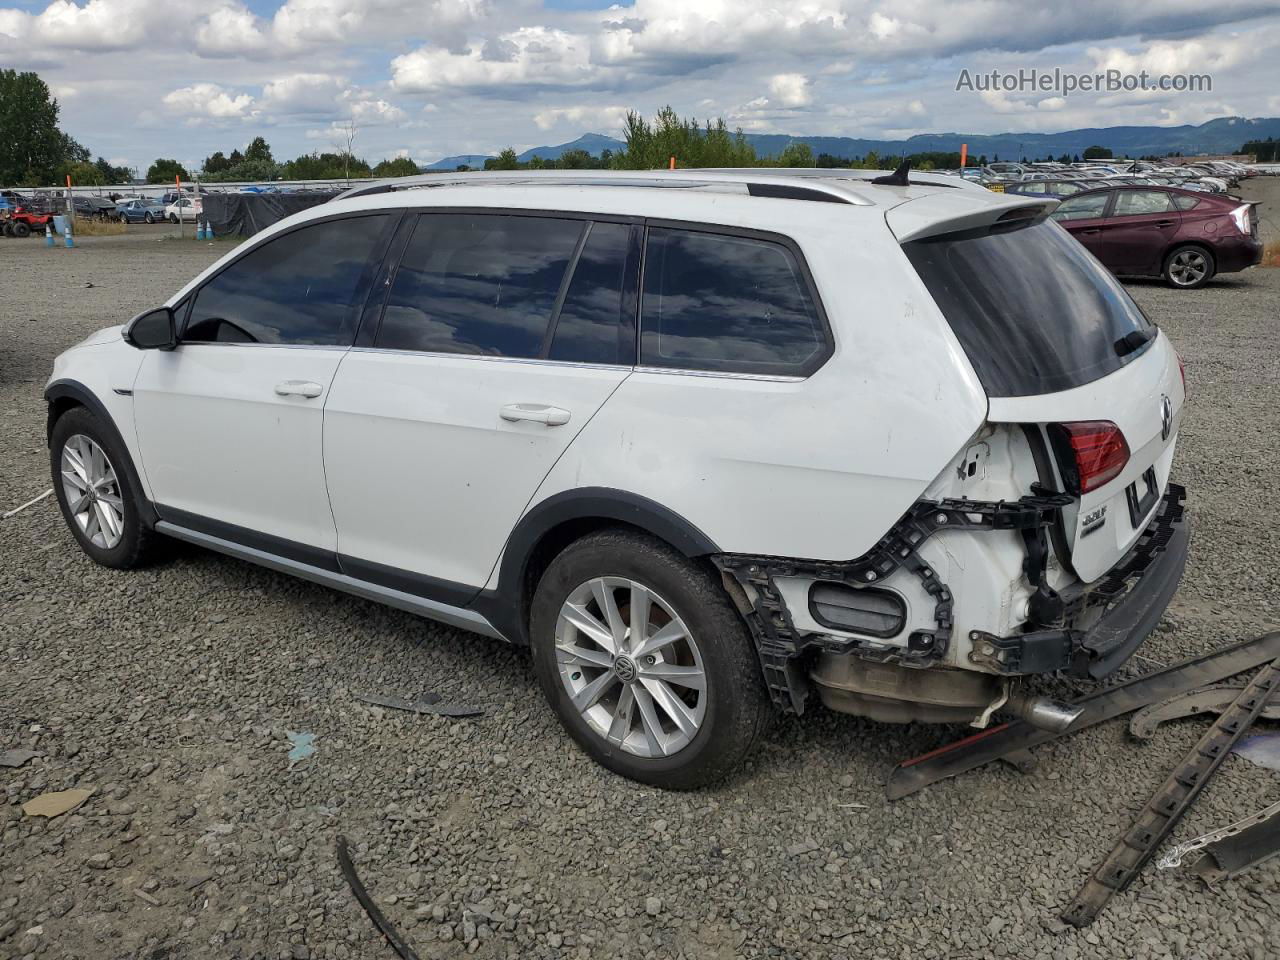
point(625, 669)
point(1166, 417)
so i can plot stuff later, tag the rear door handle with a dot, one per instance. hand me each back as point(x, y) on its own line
point(298, 388)
point(1165, 223)
point(535, 413)
point(1091, 231)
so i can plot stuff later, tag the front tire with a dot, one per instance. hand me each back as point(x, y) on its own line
point(1188, 267)
point(21, 230)
point(673, 699)
point(98, 491)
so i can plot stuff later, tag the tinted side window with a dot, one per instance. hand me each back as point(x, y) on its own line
point(1081, 208)
point(301, 288)
point(716, 302)
point(478, 284)
point(1130, 203)
point(591, 327)
point(1183, 202)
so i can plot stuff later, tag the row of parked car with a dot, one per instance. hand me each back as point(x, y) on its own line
point(34, 208)
point(1140, 218)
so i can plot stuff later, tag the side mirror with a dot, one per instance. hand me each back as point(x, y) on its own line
point(153, 330)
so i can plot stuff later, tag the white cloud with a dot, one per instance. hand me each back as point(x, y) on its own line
point(790, 89)
point(599, 119)
point(205, 101)
point(527, 58)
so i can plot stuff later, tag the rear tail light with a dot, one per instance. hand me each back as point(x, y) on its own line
point(1182, 372)
point(1091, 453)
point(1240, 216)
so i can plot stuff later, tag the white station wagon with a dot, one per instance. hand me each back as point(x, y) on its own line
point(710, 443)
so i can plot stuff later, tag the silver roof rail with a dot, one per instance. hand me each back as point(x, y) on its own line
point(769, 182)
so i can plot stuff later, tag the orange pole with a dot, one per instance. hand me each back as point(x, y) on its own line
point(672, 165)
point(964, 155)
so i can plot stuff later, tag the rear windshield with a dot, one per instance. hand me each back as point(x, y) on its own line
point(1033, 310)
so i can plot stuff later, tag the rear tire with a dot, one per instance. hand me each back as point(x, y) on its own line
point(1188, 267)
point(109, 528)
point(679, 715)
point(21, 229)
point(150, 219)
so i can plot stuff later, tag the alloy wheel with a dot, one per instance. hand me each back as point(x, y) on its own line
point(1188, 267)
point(631, 667)
point(92, 491)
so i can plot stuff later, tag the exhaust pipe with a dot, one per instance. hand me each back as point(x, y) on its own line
point(1045, 713)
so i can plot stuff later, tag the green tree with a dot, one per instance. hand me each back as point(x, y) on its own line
point(796, 154)
point(215, 163)
point(506, 160)
point(163, 171)
point(537, 163)
point(246, 170)
point(652, 145)
point(259, 151)
point(110, 173)
point(325, 166)
point(1097, 153)
point(575, 160)
point(32, 148)
point(236, 157)
point(398, 167)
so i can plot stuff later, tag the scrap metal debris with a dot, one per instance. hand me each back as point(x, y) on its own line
point(55, 804)
point(1236, 853)
point(16, 758)
point(30, 503)
point(1179, 852)
point(1207, 700)
point(304, 746)
point(362, 896)
point(1262, 750)
point(1171, 802)
point(428, 703)
point(1008, 739)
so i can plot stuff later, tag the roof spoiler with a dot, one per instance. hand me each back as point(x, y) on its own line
point(954, 212)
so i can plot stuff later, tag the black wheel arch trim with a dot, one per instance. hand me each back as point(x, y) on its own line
point(504, 606)
point(68, 389)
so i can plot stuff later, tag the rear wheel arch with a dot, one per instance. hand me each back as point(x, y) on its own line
point(548, 528)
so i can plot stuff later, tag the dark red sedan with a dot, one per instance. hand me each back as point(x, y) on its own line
point(1147, 231)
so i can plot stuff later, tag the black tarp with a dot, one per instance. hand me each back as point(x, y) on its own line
point(244, 214)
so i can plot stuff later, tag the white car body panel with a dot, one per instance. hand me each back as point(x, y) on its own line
point(424, 473)
point(218, 441)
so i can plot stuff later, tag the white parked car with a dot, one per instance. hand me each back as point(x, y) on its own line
point(184, 208)
point(700, 440)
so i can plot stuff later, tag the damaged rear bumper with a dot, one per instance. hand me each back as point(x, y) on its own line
point(1121, 609)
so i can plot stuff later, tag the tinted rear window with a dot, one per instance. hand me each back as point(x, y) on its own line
point(728, 303)
point(1033, 310)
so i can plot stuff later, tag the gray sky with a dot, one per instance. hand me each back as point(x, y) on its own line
point(139, 79)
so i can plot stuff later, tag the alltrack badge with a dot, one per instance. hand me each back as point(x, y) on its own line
point(1166, 417)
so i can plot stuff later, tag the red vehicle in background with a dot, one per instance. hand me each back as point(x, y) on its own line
point(1150, 231)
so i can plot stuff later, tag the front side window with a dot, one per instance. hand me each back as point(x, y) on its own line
point(479, 284)
point(299, 288)
point(726, 303)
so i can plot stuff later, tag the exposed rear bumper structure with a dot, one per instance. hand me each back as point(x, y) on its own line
point(1087, 631)
point(1133, 596)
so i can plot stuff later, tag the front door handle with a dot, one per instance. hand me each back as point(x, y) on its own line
point(1091, 231)
point(298, 388)
point(535, 413)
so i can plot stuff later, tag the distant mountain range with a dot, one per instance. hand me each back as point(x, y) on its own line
point(1222, 135)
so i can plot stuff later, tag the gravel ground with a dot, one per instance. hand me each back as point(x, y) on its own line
point(172, 692)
